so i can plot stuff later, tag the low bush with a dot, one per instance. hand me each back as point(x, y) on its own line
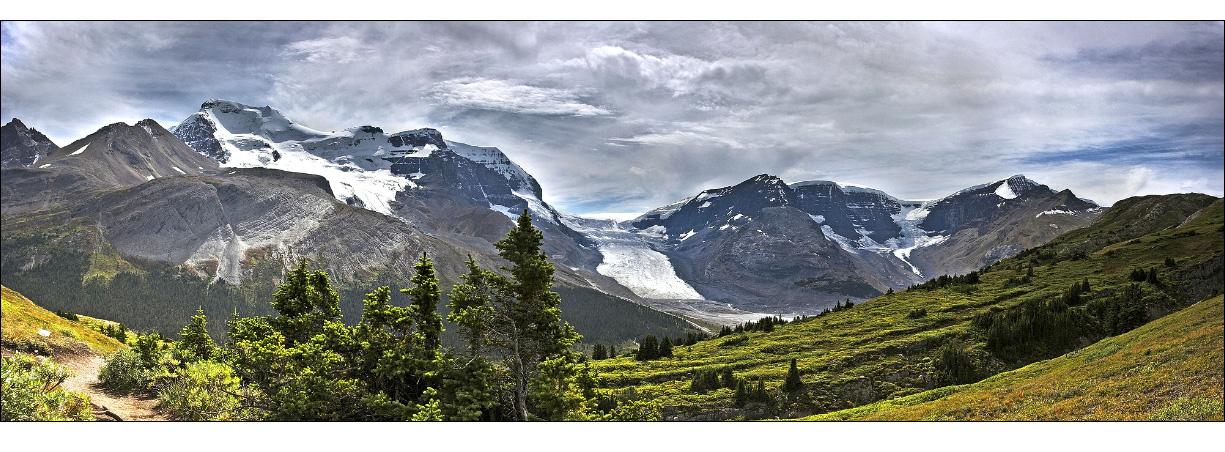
point(31, 392)
point(125, 370)
point(203, 391)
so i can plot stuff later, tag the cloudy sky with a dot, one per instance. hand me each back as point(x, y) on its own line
point(627, 116)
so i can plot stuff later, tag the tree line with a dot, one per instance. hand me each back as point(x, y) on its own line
point(304, 363)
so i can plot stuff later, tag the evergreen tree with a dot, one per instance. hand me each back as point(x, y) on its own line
point(793, 382)
point(710, 380)
point(301, 363)
point(523, 322)
point(649, 349)
point(1084, 286)
point(599, 352)
point(471, 306)
point(742, 394)
point(612, 351)
point(423, 308)
point(665, 348)
point(727, 380)
point(194, 343)
point(305, 303)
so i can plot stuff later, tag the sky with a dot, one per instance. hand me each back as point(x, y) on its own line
point(622, 117)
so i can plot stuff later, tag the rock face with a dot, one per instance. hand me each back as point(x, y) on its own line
point(197, 220)
point(466, 193)
point(22, 147)
point(851, 212)
point(121, 155)
point(117, 155)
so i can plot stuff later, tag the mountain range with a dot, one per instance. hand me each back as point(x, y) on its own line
point(232, 186)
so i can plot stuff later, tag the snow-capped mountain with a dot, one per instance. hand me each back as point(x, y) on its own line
point(727, 243)
point(762, 246)
point(365, 166)
point(21, 146)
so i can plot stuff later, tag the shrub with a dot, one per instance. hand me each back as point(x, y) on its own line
point(31, 392)
point(125, 370)
point(203, 391)
point(1191, 409)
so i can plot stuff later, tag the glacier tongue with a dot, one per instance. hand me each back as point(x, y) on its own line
point(646, 272)
point(630, 260)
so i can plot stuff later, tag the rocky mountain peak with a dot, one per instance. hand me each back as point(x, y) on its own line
point(417, 138)
point(22, 146)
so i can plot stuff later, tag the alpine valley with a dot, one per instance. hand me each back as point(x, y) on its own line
point(144, 225)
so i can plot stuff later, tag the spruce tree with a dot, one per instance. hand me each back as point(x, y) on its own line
point(665, 348)
point(305, 302)
point(194, 343)
point(649, 349)
point(423, 308)
point(793, 382)
point(599, 352)
point(727, 380)
point(526, 313)
point(471, 306)
point(742, 394)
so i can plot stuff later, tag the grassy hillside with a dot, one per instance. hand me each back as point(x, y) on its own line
point(1169, 369)
point(21, 319)
point(945, 334)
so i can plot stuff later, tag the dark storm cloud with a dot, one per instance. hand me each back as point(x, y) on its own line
point(1197, 60)
point(627, 116)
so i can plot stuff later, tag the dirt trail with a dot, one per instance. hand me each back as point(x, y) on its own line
point(107, 403)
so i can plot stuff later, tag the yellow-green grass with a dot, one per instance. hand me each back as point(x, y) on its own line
point(876, 342)
point(1168, 369)
point(21, 320)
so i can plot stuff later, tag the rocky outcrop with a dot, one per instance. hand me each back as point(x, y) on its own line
point(22, 147)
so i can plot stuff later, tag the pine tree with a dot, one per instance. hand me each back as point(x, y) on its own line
point(194, 343)
point(742, 394)
point(599, 352)
point(665, 348)
point(526, 321)
point(305, 303)
point(423, 308)
point(727, 380)
point(612, 351)
point(793, 382)
point(471, 306)
point(649, 349)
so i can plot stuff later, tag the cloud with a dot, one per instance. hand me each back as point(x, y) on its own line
point(499, 95)
point(343, 49)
